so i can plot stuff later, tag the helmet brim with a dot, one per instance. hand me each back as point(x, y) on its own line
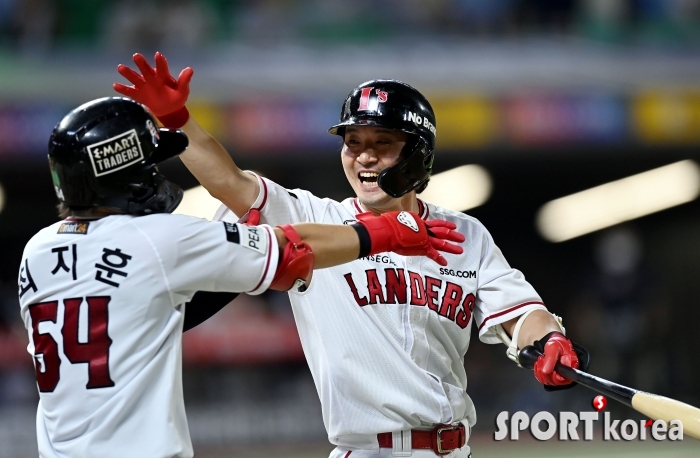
point(338, 129)
point(335, 130)
point(171, 143)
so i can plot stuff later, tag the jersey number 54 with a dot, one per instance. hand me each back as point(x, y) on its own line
point(94, 352)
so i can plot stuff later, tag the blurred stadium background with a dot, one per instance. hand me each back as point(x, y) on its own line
point(548, 97)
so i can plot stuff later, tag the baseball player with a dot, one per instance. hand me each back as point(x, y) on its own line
point(385, 335)
point(103, 292)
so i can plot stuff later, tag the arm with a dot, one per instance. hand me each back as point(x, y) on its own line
point(208, 161)
point(204, 305)
point(536, 325)
point(331, 244)
point(214, 168)
point(306, 246)
point(326, 245)
point(540, 329)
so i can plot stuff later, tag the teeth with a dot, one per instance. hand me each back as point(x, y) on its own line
point(369, 179)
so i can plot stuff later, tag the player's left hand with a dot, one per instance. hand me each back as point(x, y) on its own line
point(407, 234)
point(556, 348)
point(156, 88)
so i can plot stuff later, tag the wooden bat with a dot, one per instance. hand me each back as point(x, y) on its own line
point(652, 405)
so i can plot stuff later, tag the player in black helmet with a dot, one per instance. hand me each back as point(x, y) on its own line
point(119, 270)
point(104, 154)
point(384, 336)
point(395, 105)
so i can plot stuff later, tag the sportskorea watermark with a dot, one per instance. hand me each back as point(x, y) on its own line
point(544, 426)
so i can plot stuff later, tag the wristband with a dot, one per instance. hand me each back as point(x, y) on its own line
point(176, 119)
point(365, 241)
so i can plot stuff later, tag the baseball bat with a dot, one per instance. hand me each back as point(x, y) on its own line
point(652, 405)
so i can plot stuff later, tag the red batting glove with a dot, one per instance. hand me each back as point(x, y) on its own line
point(253, 217)
point(407, 234)
point(557, 349)
point(157, 89)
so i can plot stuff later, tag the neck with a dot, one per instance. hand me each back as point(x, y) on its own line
point(94, 213)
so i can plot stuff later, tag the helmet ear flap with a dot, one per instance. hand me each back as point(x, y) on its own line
point(428, 164)
point(160, 197)
point(410, 173)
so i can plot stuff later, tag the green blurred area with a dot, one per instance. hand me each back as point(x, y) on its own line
point(83, 22)
point(80, 19)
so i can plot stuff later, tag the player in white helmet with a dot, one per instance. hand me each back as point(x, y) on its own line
point(384, 336)
point(103, 292)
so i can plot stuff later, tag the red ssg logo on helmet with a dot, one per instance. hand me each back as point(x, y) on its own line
point(364, 98)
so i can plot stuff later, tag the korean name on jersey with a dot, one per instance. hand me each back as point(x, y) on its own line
point(103, 302)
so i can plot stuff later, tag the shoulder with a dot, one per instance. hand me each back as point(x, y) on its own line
point(271, 190)
point(170, 218)
point(471, 228)
point(304, 194)
point(459, 218)
point(43, 236)
point(167, 223)
point(308, 198)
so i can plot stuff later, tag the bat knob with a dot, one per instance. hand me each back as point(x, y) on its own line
point(528, 356)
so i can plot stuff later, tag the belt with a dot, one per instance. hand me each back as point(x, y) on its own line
point(442, 439)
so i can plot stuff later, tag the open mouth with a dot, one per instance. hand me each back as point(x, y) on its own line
point(369, 179)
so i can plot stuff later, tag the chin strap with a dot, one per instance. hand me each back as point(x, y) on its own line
point(296, 264)
point(512, 342)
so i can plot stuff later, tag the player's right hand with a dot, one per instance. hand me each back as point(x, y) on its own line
point(158, 89)
point(407, 234)
point(557, 348)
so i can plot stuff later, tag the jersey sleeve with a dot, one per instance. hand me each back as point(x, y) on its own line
point(502, 292)
point(279, 205)
point(198, 255)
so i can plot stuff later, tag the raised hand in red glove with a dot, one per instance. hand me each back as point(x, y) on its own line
point(407, 234)
point(157, 89)
point(557, 348)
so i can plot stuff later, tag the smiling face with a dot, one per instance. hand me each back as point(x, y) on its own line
point(366, 152)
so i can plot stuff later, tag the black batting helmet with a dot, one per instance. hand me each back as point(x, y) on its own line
point(104, 153)
point(395, 105)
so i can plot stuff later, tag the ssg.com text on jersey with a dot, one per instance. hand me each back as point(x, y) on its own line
point(458, 273)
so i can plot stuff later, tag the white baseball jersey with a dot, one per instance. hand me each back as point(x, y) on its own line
point(103, 302)
point(385, 336)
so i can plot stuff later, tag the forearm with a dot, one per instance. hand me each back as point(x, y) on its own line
point(536, 325)
point(214, 168)
point(331, 244)
point(208, 161)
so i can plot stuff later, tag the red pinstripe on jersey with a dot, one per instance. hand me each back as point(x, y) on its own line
point(503, 312)
point(356, 204)
point(267, 261)
point(423, 209)
point(264, 201)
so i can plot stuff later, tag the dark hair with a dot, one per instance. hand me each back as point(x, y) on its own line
point(64, 211)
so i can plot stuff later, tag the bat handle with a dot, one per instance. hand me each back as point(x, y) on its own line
point(568, 372)
point(616, 391)
point(529, 355)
